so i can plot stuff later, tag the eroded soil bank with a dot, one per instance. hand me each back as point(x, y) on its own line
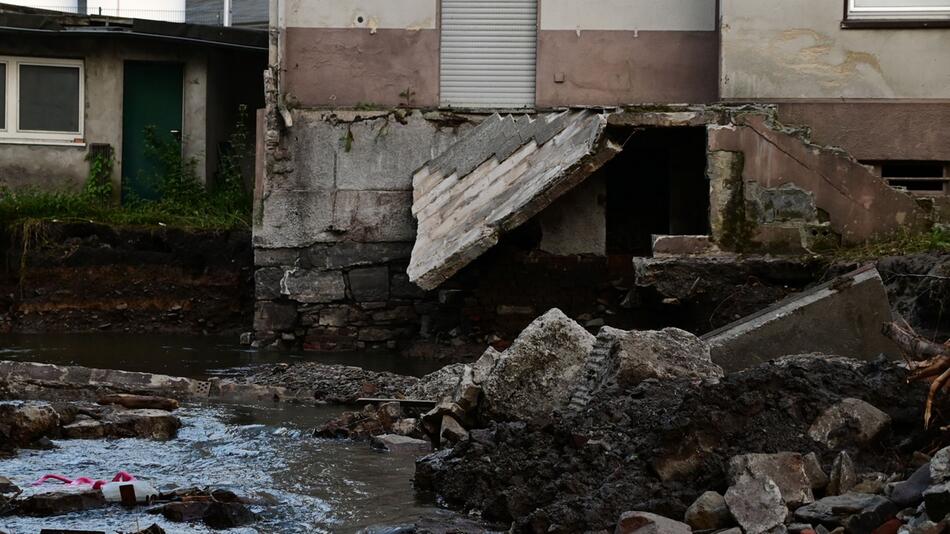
point(85, 277)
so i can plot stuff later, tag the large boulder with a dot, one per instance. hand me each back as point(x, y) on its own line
point(22, 423)
point(662, 354)
point(535, 376)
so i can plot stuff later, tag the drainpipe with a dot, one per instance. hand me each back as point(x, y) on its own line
point(226, 13)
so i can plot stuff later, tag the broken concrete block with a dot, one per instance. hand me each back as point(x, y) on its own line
point(756, 504)
point(647, 523)
point(401, 444)
point(843, 476)
point(452, 431)
point(537, 373)
point(683, 245)
point(816, 475)
point(437, 385)
point(856, 512)
point(463, 208)
point(61, 502)
point(140, 401)
point(841, 317)
point(663, 354)
point(22, 423)
point(709, 512)
point(785, 469)
point(850, 422)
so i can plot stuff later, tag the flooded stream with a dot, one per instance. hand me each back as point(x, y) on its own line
point(263, 451)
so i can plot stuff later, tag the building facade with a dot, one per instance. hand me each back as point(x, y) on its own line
point(405, 201)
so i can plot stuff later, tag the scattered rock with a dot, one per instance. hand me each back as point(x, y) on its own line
point(401, 444)
point(438, 385)
point(937, 501)
point(709, 512)
point(756, 504)
point(843, 477)
point(850, 422)
point(216, 514)
point(483, 367)
point(940, 466)
point(141, 402)
point(6, 486)
point(910, 492)
point(816, 475)
point(785, 469)
point(146, 423)
point(61, 502)
point(870, 483)
point(856, 512)
point(647, 523)
point(153, 529)
point(535, 375)
point(22, 423)
point(662, 354)
point(338, 384)
point(452, 432)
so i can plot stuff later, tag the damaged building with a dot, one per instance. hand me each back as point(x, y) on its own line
point(438, 173)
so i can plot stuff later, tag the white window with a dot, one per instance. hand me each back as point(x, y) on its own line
point(898, 10)
point(41, 100)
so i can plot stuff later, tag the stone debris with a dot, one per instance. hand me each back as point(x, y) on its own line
point(709, 512)
point(647, 523)
point(337, 384)
point(816, 475)
point(843, 477)
point(850, 422)
point(60, 503)
point(535, 376)
point(397, 444)
point(23, 423)
point(662, 354)
point(856, 512)
point(145, 423)
point(756, 503)
point(150, 402)
point(785, 469)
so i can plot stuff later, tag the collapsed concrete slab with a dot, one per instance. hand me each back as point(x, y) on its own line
point(496, 178)
point(842, 317)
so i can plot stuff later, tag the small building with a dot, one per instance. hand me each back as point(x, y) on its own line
point(76, 83)
point(445, 170)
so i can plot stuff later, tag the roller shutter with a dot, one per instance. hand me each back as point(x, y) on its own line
point(488, 53)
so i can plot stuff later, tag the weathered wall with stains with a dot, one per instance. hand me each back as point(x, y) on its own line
point(367, 53)
point(776, 49)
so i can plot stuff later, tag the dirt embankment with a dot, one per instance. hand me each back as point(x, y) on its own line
point(84, 277)
point(657, 446)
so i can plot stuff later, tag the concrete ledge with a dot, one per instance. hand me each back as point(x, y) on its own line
point(842, 317)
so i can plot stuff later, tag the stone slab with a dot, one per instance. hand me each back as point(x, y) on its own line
point(842, 317)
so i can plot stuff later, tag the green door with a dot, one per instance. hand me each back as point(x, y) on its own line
point(152, 96)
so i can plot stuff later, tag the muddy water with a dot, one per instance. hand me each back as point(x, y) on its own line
point(264, 451)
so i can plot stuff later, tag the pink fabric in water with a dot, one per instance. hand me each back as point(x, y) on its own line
point(121, 476)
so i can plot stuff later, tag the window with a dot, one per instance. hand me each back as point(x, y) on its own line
point(921, 13)
point(41, 100)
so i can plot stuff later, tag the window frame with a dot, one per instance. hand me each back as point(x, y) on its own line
point(11, 132)
point(889, 19)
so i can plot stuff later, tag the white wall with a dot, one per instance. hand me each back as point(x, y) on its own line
point(645, 15)
point(383, 14)
point(782, 49)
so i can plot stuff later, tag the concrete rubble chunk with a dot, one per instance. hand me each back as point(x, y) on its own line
point(785, 469)
point(709, 512)
point(647, 523)
point(61, 502)
point(940, 466)
point(22, 423)
point(856, 512)
point(850, 422)
point(662, 354)
point(756, 504)
point(910, 492)
point(536, 374)
point(843, 476)
point(401, 444)
point(140, 401)
point(816, 475)
point(500, 175)
point(452, 431)
point(841, 317)
point(438, 385)
point(149, 424)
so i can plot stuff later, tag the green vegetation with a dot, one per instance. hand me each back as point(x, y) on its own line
point(937, 240)
point(183, 201)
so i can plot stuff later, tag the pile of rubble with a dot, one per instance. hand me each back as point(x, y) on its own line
point(640, 431)
point(338, 384)
point(35, 423)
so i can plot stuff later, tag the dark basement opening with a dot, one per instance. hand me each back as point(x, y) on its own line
point(924, 177)
point(656, 185)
